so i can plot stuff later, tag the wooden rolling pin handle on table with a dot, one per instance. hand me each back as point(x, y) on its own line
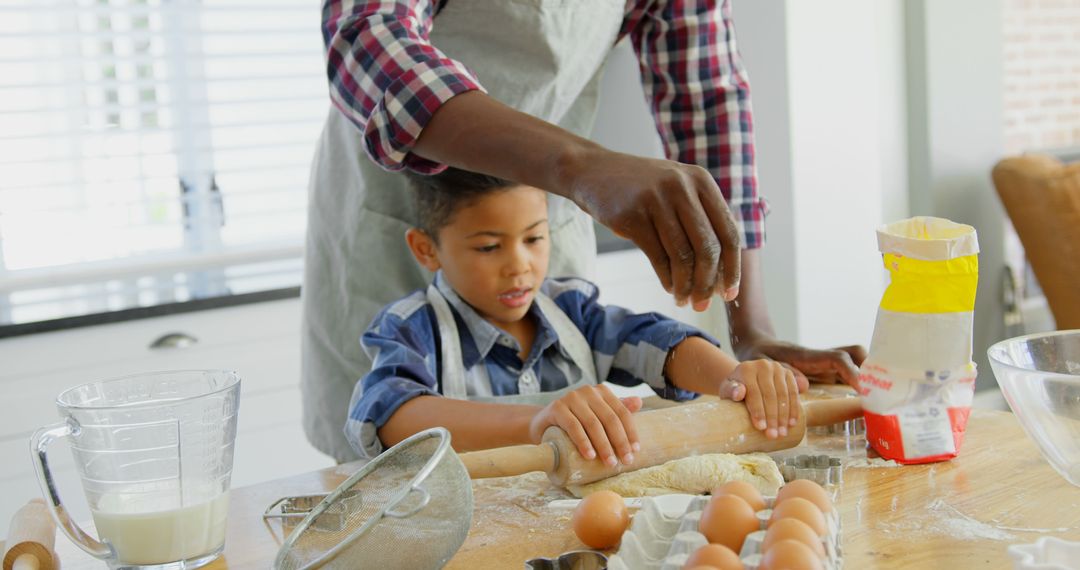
point(671, 433)
point(30, 539)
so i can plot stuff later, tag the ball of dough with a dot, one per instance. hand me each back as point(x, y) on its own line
point(692, 475)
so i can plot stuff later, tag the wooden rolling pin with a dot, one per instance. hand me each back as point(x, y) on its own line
point(693, 429)
point(30, 539)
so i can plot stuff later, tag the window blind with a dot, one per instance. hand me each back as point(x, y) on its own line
point(153, 150)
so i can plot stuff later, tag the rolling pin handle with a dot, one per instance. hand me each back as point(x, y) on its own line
point(508, 461)
point(26, 562)
point(833, 411)
point(30, 540)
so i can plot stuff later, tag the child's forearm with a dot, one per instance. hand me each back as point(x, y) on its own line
point(472, 425)
point(695, 364)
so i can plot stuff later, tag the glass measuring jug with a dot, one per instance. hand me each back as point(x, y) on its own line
point(154, 453)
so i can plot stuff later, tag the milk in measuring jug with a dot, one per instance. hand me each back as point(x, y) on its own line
point(158, 536)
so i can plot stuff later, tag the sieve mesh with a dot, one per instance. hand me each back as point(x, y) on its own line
point(414, 510)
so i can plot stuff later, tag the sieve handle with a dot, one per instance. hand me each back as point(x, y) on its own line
point(39, 442)
point(426, 498)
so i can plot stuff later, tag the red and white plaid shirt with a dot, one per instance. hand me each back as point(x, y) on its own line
point(389, 80)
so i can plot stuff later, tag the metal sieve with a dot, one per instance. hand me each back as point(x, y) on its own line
point(410, 507)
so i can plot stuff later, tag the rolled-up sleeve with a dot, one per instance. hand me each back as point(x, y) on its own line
point(628, 348)
point(387, 78)
point(699, 94)
point(404, 367)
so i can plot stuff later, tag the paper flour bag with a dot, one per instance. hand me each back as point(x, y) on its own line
point(918, 381)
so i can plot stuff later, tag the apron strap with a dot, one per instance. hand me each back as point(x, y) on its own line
point(570, 338)
point(452, 364)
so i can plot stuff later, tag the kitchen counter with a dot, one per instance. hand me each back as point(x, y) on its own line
point(958, 514)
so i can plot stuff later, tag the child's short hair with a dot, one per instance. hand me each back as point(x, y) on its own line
point(437, 197)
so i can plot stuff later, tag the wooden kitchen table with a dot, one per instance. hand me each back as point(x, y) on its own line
point(958, 514)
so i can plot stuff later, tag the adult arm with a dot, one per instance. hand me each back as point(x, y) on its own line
point(699, 95)
point(702, 109)
point(419, 109)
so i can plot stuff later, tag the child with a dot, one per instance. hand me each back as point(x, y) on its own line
point(496, 353)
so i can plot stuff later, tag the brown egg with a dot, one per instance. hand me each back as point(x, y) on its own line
point(748, 492)
point(790, 555)
point(808, 490)
point(793, 529)
point(727, 520)
point(800, 508)
point(600, 519)
point(702, 568)
point(714, 556)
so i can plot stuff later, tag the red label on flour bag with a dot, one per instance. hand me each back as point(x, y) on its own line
point(918, 381)
point(923, 420)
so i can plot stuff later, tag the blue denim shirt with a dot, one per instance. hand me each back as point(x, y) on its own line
point(402, 341)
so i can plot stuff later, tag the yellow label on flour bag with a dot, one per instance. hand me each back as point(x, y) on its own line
point(918, 381)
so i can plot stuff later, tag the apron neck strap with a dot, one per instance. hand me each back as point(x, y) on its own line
point(570, 338)
point(452, 364)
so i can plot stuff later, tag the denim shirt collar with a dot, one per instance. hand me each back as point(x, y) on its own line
point(485, 335)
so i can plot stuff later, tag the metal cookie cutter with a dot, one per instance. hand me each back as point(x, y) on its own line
point(573, 560)
point(292, 510)
point(822, 469)
point(852, 428)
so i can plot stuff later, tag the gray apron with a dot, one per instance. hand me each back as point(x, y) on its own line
point(478, 389)
point(542, 57)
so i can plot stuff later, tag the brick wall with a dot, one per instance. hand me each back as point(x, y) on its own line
point(1042, 74)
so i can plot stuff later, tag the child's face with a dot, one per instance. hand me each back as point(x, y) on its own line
point(494, 252)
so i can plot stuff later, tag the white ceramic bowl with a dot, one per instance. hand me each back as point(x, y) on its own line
point(1040, 377)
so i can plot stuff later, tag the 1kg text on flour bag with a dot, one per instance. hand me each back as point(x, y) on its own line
point(918, 381)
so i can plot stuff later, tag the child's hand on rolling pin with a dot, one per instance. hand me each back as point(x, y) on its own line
point(769, 390)
point(599, 424)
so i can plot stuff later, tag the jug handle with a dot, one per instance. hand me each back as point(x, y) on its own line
point(39, 442)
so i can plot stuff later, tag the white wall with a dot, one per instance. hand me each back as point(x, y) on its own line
point(957, 134)
point(836, 70)
point(893, 118)
point(760, 31)
point(623, 122)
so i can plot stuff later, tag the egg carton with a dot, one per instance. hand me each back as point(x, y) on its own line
point(660, 538)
